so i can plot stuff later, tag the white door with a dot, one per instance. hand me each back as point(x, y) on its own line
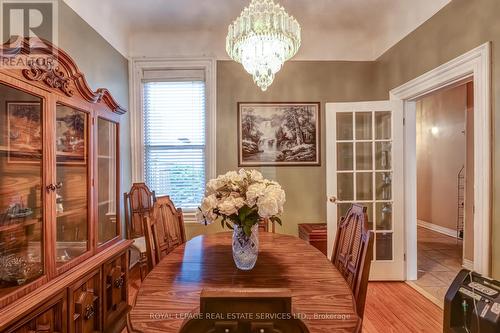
point(364, 148)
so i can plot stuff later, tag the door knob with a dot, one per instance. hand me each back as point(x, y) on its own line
point(333, 199)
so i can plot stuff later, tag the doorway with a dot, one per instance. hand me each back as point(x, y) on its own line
point(400, 238)
point(474, 65)
point(445, 183)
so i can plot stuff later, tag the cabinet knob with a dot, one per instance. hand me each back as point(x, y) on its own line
point(51, 187)
point(119, 283)
point(333, 199)
point(89, 312)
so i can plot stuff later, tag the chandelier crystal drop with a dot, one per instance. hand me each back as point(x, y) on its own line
point(262, 38)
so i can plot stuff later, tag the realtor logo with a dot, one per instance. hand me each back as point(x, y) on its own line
point(34, 19)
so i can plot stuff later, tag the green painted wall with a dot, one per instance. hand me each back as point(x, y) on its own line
point(103, 66)
point(459, 27)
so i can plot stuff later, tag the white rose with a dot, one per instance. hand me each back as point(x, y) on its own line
point(230, 205)
point(208, 203)
point(271, 202)
point(277, 193)
point(254, 191)
point(268, 207)
point(233, 176)
point(207, 207)
point(256, 176)
point(242, 173)
point(213, 185)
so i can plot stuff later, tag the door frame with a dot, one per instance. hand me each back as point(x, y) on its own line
point(476, 64)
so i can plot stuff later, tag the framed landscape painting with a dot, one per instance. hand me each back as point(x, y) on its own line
point(279, 134)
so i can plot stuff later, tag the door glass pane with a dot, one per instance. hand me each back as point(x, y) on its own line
point(345, 186)
point(384, 216)
point(383, 246)
point(383, 157)
point(364, 126)
point(364, 186)
point(21, 207)
point(344, 156)
point(72, 192)
point(382, 125)
point(106, 180)
point(344, 126)
point(342, 209)
point(383, 182)
point(364, 156)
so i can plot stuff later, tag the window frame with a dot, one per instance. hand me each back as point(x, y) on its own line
point(137, 68)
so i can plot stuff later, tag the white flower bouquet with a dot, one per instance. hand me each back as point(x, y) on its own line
point(241, 199)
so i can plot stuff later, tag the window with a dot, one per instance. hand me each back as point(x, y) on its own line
point(174, 140)
point(173, 129)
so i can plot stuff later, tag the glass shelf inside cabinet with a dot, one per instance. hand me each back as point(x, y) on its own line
point(106, 180)
point(21, 173)
point(72, 183)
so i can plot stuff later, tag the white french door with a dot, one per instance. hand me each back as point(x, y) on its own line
point(364, 150)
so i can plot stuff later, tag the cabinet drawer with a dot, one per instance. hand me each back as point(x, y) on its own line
point(48, 318)
point(115, 289)
point(85, 304)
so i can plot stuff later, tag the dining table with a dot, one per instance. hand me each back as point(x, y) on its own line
point(170, 293)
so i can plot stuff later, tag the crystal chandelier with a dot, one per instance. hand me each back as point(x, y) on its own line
point(262, 38)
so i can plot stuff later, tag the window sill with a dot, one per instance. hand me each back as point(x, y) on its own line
point(190, 217)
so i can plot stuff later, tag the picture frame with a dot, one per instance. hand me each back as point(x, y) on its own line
point(24, 132)
point(71, 136)
point(279, 134)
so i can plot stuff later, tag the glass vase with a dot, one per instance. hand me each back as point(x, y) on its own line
point(245, 248)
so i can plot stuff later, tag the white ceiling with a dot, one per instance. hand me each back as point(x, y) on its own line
point(331, 29)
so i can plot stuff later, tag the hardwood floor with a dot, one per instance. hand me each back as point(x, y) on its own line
point(397, 307)
point(390, 307)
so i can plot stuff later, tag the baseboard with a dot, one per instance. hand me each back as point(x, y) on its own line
point(437, 228)
point(468, 264)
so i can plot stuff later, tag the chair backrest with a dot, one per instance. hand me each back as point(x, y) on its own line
point(163, 230)
point(264, 226)
point(240, 311)
point(353, 252)
point(151, 236)
point(138, 204)
point(172, 222)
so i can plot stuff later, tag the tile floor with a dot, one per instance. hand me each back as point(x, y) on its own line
point(439, 261)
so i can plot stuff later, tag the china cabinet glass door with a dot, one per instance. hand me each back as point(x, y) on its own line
point(107, 134)
point(21, 174)
point(72, 165)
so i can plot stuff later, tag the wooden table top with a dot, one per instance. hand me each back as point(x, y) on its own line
point(172, 289)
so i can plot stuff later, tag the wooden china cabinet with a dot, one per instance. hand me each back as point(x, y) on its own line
point(63, 261)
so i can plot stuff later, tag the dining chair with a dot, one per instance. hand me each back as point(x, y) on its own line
point(174, 233)
point(353, 253)
point(241, 311)
point(264, 226)
point(138, 204)
point(163, 230)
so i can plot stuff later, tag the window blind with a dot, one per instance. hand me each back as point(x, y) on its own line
point(174, 140)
